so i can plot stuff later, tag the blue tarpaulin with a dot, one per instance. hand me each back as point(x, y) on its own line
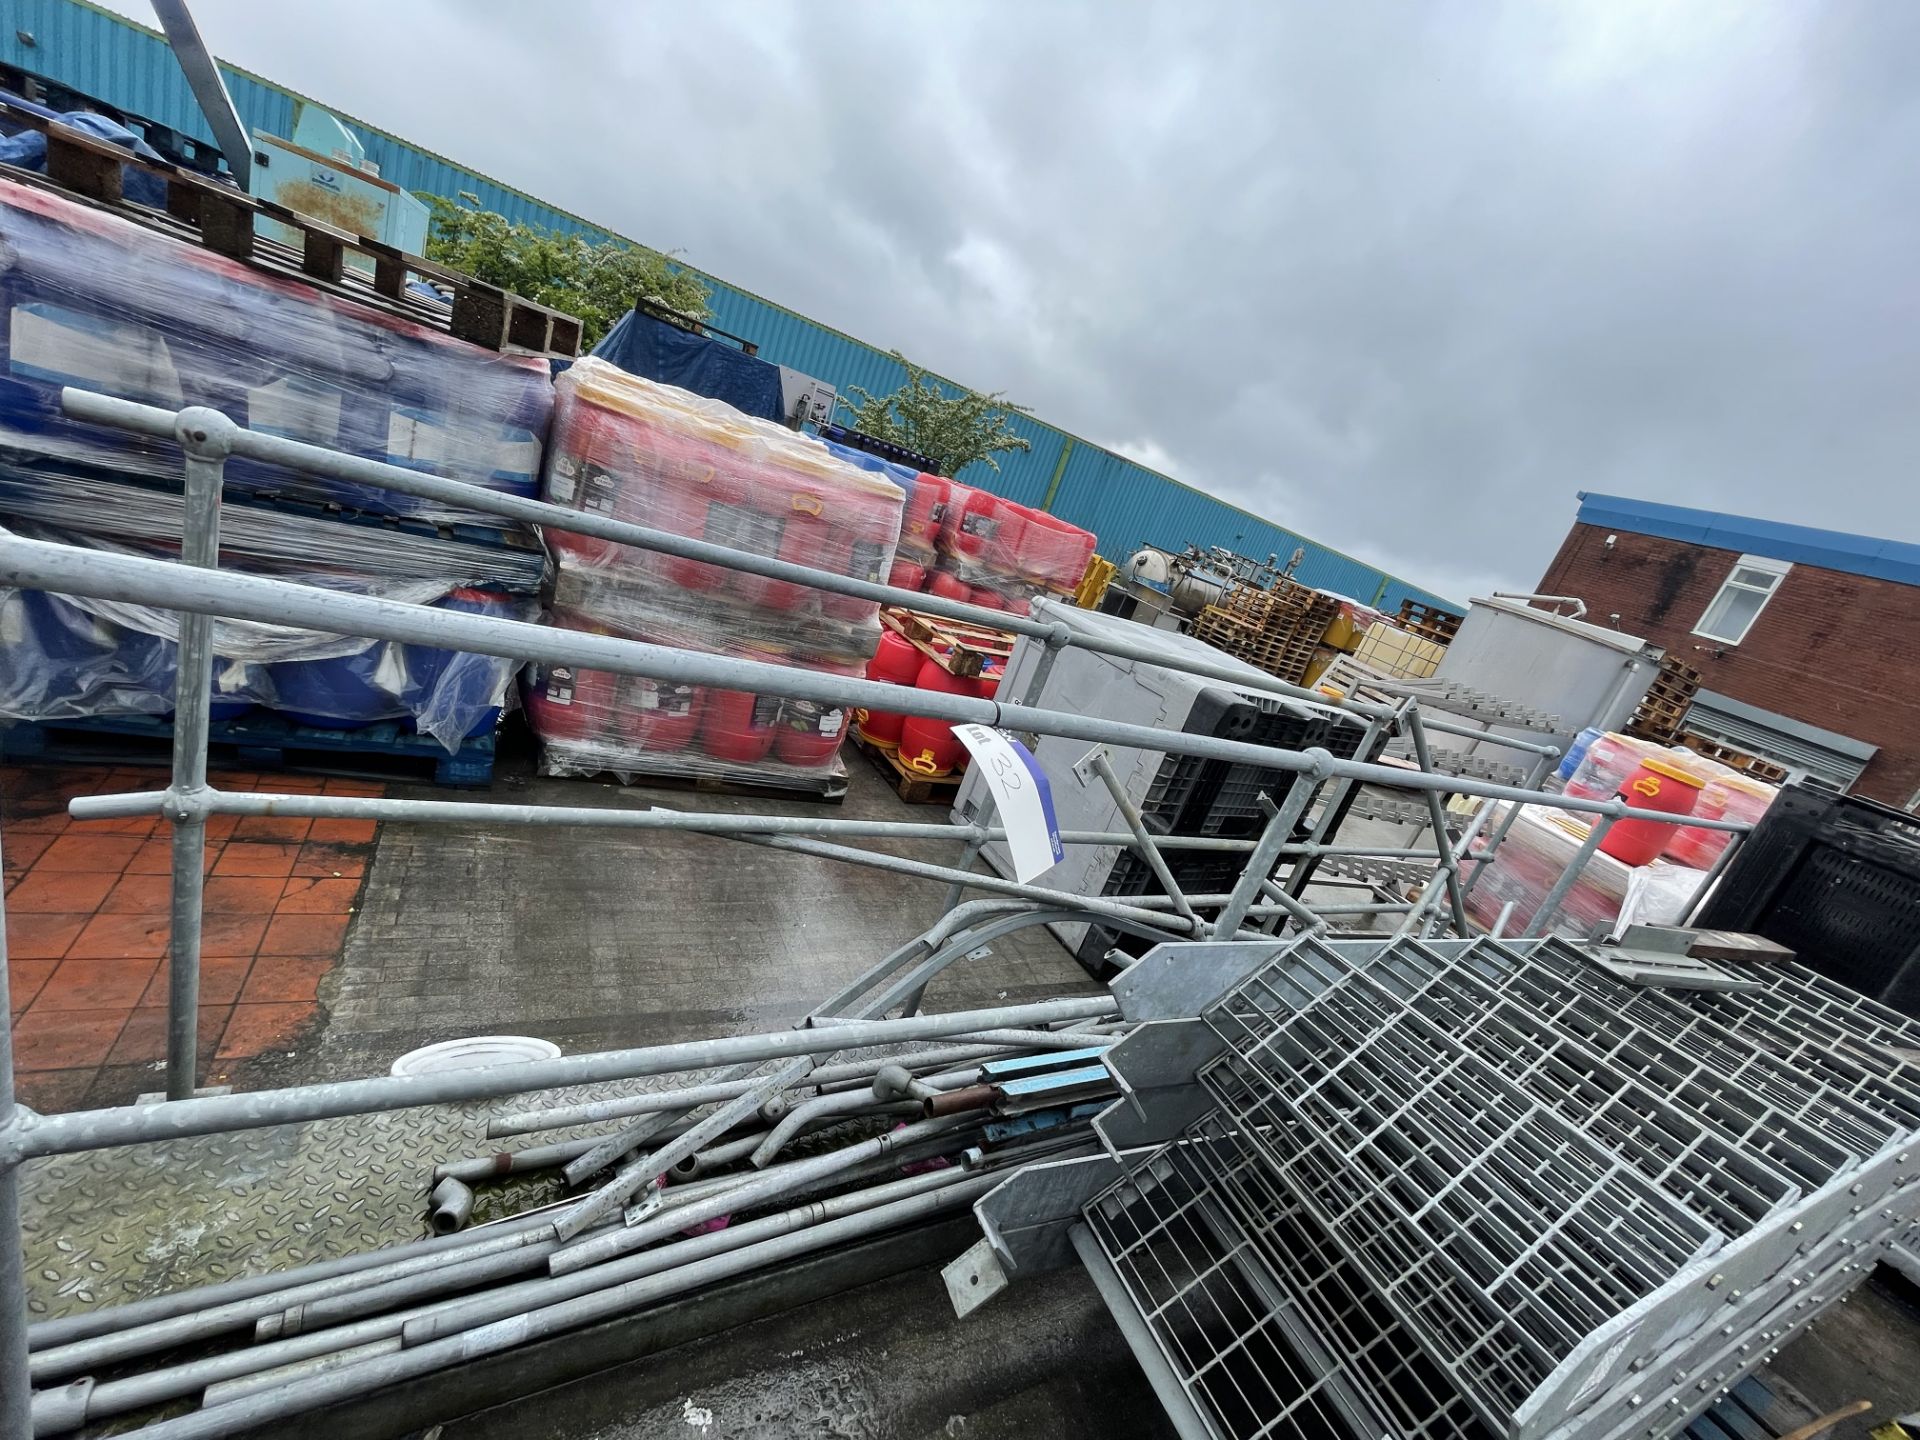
point(655, 350)
point(27, 149)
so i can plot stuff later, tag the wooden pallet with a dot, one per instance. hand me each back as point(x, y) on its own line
point(1429, 622)
point(955, 646)
point(1663, 709)
point(222, 219)
point(1735, 759)
point(910, 785)
point(1280, 608)
point(1283, 647)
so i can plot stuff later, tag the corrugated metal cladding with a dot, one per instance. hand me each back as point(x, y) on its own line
point(1125, 504)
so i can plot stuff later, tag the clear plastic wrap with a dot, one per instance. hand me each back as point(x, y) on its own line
point(1607, 896)
point(639, 603)
point(68, 658)
point(593, 722)
point(1610, 758)
point(1530, 861)
point(96, 301)
point(1726, 795)
point(656, 456)
point(634, 450)
point(1658, 894)
point(997, 553)
point(279, 535)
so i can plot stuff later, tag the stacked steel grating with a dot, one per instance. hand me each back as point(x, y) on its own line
point(1473, 1188)
point(1451, 761)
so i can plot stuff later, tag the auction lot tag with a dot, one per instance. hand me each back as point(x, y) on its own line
point(1022, 796)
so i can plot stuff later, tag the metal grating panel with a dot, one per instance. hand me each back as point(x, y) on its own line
point(1214, 1310)
point(1489, 1174)
point(1502, 1233)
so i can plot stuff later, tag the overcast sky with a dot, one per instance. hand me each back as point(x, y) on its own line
point(1403, 278)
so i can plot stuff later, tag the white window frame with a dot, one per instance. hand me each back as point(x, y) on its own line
point(1776, 568)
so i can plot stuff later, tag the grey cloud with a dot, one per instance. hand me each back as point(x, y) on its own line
point(1403, 278)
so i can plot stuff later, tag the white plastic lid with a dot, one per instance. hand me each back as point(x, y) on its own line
point(473, 1052)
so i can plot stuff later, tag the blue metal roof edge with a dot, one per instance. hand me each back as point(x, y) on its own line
point(1387, 587)
point(1894, 560)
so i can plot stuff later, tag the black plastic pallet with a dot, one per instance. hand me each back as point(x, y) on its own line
point(1835, 878)
point(260, 741)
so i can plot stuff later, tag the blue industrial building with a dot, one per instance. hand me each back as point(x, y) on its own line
point(1124, 503)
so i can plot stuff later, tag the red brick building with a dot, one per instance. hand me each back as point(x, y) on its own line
point(1808, 641)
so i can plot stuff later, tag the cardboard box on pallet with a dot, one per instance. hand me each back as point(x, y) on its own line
point(660, 457)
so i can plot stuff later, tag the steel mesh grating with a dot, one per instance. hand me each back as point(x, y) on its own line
point(1663, 1019)
point(1214, 1310)
point(1695, 1153)
point(1489, 1188)
point(1348, 1322)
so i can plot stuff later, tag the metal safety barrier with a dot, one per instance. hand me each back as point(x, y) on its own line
point(370, 1321)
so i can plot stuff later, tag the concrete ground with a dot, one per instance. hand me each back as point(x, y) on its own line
point(1866, 1349)
point(596, 939)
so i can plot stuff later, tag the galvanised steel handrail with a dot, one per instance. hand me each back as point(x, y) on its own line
point(200, 592)
point(207, 438)
point(211, 435)
point(39, 564)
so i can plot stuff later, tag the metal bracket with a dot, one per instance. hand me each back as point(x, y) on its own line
point(1179, 979)
point(1161, 1054)
point(647, 1206)
point(1026, 1217)
point(1151, 1118)
point(1658, 970)
point(973, 1279)
point(1083, 768)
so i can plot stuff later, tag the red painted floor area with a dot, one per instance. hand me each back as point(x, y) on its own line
point(87, 929)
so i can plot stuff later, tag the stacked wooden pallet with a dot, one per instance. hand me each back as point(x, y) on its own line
point(954, 645)
point(222, 220)
point(1429, 622)
point(1736, 759)
point(1274, 630)
point(1664, 706)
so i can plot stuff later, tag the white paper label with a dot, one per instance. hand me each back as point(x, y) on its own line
point(1022, 796)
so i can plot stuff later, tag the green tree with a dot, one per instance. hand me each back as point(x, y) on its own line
point(951, 430)
point(598, 283)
